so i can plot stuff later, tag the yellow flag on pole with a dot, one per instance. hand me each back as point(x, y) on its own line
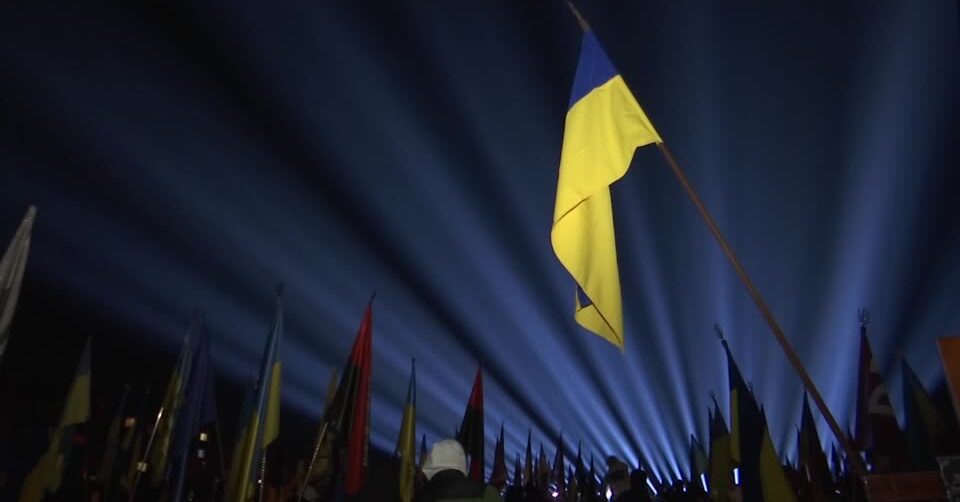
point(604, 126)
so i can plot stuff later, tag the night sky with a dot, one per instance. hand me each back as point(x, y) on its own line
point(186, 156)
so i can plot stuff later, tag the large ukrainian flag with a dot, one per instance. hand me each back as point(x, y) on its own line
point(604, 126)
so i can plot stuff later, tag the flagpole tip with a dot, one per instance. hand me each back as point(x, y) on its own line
point(279, 288)
point(580, 20)
point(373, 294)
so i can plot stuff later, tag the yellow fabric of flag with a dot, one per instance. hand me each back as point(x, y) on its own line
point(46, 476)
point(720, 469)
point(172, 398)
point(271, 426)
point(264, 425)
point(236, 464)
point(721, 466)
point(604, 127)
point(406, 444)
point(772, 478)
point(241, 488)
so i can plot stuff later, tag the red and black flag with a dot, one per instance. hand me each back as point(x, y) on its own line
point(470, 434)
point(877, 430)
point(348, 414)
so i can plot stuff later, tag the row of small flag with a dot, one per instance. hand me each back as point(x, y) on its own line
point(743, 460)
point(741, 457)
point(157, 454)
point(604, 126)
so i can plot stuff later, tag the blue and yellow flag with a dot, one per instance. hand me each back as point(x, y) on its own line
point(721, 465)
point(157, 462)
point(246, 411)
point(407, 443)
point(198, 408)
point(774, 483)
point(46, 476)
point(264, 425)
point(746, 431)
point(604, 126)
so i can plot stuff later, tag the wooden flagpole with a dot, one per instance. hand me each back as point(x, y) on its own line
point(765, 312)
point(788, 350)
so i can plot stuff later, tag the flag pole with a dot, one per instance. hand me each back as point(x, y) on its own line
point(788, 350)
point(765, 312)
point(142, 465)
point(313, 459)
point(324, 428)
point(263, 476)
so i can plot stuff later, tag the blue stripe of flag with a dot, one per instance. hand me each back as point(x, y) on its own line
point(593, 70)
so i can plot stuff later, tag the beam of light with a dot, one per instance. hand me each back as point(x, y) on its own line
point(226, 156)
point(736, 476)
point(882, 183)
point(652, 488)
point(703, 482)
